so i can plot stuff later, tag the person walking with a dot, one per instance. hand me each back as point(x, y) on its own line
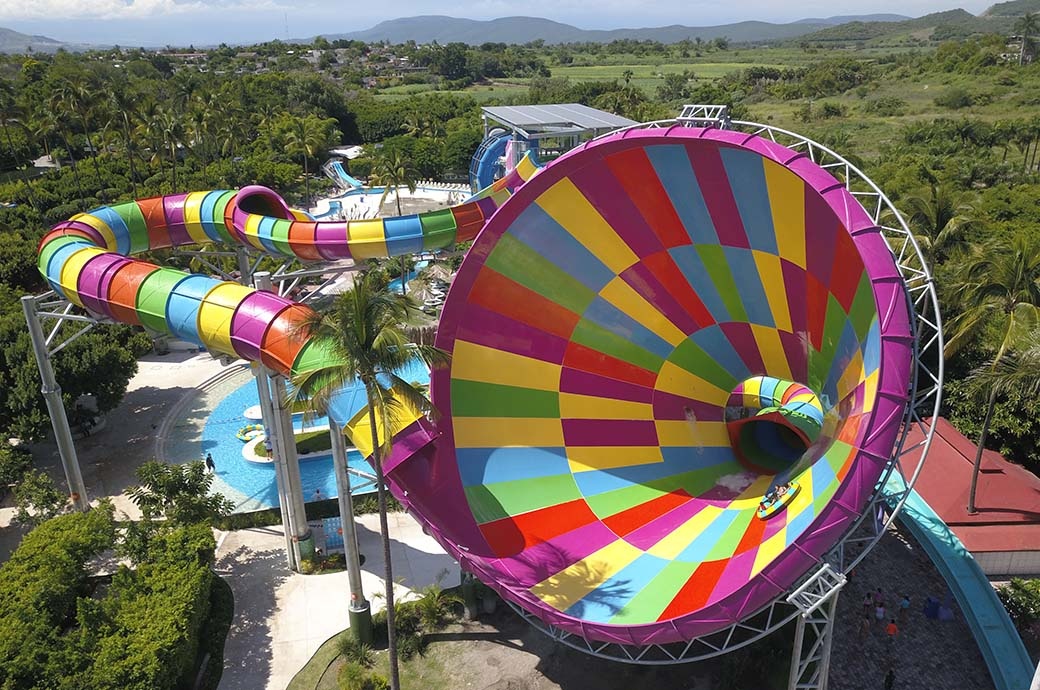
point(210, 465)
point(904, 608)
point(864, 627)
point(890, 679)
point(879, 613)
point(892, 630)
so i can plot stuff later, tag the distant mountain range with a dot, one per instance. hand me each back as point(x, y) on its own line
point(868, 28)
point(14, 42)
point(526, 29)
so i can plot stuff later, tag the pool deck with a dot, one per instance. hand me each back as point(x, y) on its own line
point(109, 458)
point(281, 618)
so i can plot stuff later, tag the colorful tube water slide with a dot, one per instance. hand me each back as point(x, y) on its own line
point(86, 261)
point(486, 160)
point(607, 314)
point(998, 640)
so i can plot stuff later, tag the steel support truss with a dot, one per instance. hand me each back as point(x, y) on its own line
point(817, 600)
point(922, 410)
point(705, 116)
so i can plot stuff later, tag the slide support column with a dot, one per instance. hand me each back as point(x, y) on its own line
point(360, 611)
point(55, 407)
point(292, 551)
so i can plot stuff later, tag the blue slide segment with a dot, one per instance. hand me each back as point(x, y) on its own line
point(485, 161)
point(337, 168)
point(1009, 663)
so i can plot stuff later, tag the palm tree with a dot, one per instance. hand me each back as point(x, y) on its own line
point(81, 99)
point(147, 130)
point(364, 329)
point(59, 120)
point(418, 125)
point(939, 219)
point(169, 129)
point(998, 288)
point(304, 137)
point(393, 170)
point(1017, 372)
point(124, 107)
point(11, 115)
point(1027, 26)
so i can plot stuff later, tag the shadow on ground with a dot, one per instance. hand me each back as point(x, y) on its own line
point(254, 578)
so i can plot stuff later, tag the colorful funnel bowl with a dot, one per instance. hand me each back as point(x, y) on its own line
point(582, 464)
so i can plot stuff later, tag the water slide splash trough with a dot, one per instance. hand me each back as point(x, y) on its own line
point(647, 336)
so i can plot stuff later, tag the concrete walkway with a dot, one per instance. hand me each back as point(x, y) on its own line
point(109, 458)
point(281, 618)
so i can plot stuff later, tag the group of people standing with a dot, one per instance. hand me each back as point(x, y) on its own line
point(874, 610)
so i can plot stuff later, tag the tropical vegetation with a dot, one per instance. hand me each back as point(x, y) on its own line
point(365, 333)
point(71, 622)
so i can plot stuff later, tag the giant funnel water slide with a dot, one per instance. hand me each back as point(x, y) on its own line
point(614, 313)
point(647, 336)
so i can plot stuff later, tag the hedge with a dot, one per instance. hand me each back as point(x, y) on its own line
point(142, 634)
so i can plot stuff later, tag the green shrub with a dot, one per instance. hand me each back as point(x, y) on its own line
point(954, 98)
point(435, 606)
point(1021, 598)
point(143, 634)
point(355, 651)
point(214, 632)
point(14, 463)
point(826, 110)
point(885, 106)
point(352, 676)
point(317, 510)
point(411, 644)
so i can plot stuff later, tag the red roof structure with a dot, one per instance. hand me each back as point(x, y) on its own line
point(1007, 500)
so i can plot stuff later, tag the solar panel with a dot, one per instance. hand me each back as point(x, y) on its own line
point(571, 115)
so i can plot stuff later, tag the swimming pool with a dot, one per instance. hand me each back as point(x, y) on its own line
point(256, 481)
point(395, 284)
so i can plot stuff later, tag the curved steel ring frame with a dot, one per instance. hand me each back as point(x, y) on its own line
point(922, 410)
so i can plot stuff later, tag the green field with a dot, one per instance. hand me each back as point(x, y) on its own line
point(481, 93)
point(649, 76)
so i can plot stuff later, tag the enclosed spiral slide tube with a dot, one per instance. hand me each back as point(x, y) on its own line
point(87, 261)
point(647, 336)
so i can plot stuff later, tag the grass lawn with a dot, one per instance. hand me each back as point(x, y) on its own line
point(311, 674)
point(307, 442)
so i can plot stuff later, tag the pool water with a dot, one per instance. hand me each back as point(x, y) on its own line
point(395, 284)
point(256, 481)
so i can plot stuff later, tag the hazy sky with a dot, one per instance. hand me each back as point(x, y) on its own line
point(203, 22)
